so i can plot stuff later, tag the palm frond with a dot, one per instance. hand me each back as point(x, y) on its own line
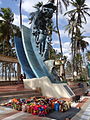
point(66, 3)
point(70, 12)
point(87, 13)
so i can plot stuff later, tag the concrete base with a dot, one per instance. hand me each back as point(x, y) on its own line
point(49, 89)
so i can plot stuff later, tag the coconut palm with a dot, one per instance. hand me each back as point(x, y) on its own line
point(77, 18)
point(79, 61)
point(6, 30)
point(59, 7)
point(71, 27)
point(6, 36)
point(79, 11)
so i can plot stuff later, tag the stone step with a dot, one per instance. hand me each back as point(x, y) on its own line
point(5, 97)
point(8, 83)
point(73, 88)
point(8, 92)
point(18, 92)
point(78, 91)
point(12, 86)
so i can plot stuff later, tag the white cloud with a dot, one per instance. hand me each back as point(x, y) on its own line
point(17, 20)
point(55, 42)
point(27, 5)
point(26, 24)
point(63, 33)
point(87, 26)
point(1, 18)
point(65, 47)
point(87, 39)
point(88, 2)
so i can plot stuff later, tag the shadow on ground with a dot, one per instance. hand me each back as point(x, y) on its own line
point(62, 115)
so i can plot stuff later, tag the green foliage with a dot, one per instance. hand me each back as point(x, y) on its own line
point(79, 12)
point(7, 14)
point(82, 78)
point(52, 53)
point(77, 17)
point(68, 66)
point(32, 14)
point(7, 32)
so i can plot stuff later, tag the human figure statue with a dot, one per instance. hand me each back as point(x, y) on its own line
point(41, 24)
point(54, 73)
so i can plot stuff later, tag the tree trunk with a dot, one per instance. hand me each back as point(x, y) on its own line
point(5, 71)
point(58, 30)
point(59, 39)
point(9, 72)
point(20, 13)
point(18, 71)
point(2, 70)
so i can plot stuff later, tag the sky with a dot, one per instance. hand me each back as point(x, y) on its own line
point(27, 7)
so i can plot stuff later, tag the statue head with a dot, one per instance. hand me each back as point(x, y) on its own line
point(48, 9)
point(50, 5)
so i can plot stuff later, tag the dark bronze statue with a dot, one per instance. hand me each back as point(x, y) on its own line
point(41, 24)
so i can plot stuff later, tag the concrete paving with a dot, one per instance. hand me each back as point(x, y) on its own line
point(11, 114)
point(84, 113)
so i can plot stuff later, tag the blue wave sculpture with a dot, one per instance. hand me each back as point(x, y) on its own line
point(32, 49)
point(22, 58)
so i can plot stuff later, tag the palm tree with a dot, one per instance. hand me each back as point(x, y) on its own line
point(71, 31)
point(68, 67)
point(6, 36)
point(20, 13)
point(79, 12)
point(77, 18)
point(6, 30)
point(79, 61)
point(59, 7)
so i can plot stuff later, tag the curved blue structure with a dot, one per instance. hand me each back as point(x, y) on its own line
point(22, 58)
point(33, 47)
point(32, 54)
point(29, 57)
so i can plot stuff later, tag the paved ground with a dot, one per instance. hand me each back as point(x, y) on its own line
point(15, 115)
point(84, 113)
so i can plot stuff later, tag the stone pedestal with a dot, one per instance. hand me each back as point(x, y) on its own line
point(49, 89)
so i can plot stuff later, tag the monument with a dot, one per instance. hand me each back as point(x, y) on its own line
point(88, 67)
point(32, 51)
